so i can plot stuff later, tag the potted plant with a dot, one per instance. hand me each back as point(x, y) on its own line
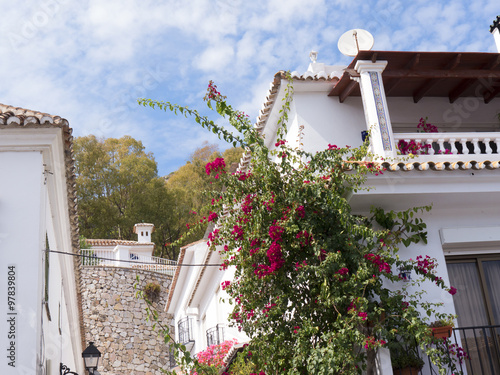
point(406, 361)
point(152, 291)
point(442, 328)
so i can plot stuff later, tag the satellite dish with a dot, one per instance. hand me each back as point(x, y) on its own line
point(355, 40)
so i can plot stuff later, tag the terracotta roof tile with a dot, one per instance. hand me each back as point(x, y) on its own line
point(97, 242)
point(21, 117)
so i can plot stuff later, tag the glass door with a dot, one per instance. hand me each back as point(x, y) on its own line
point(477, 303)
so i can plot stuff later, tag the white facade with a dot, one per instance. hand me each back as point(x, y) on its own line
point(40, 297)
point(463, 187)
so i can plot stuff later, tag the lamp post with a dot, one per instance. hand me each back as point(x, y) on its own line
point(90, 357)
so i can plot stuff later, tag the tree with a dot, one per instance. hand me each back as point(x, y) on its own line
point(188, 186)
point(113, 178)
point(311, 283)
point(118, 186)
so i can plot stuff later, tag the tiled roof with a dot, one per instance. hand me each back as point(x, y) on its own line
point(94, 242)
point(15, 117)
point(21, 117)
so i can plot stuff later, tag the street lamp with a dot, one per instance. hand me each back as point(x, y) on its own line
point(90, 357)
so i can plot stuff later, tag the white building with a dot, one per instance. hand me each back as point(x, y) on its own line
point(388, 92)
point(40, 297)
point(197, 303)
point(130, 254)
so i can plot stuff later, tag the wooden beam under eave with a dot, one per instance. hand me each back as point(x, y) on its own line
point(390, 84)
point(339, 83)
point(347, 91)
point(490, 95)
point(424, 89)
point(460, 89)
point(454, 62)
point(493, 63)
point(413, 62)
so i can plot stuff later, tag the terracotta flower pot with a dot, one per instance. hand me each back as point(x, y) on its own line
point(441, 332)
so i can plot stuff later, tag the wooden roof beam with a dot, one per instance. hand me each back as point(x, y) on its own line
point(466, 84)
point(429, 84)
point(424, 89)
point(493, 63)
point(460, 89)
point(413, 62)
point(490, 95)
point(347, 91)
point(390, 84)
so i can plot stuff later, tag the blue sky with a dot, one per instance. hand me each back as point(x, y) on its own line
point(88, 61)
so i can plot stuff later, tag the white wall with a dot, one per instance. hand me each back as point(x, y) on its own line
point(33, 204)
point(21, 190)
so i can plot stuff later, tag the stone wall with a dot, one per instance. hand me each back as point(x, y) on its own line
point(115, 320)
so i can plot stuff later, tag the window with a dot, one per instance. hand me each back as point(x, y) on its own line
point(477, 303)
point(477, 280)
point(215, 335)
point(185, 330)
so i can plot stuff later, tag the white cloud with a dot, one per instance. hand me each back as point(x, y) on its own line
point(88, 61)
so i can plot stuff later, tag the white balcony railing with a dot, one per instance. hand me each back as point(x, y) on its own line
point(463, 146)
point(111, 258)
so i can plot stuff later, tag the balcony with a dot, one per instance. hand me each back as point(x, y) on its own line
point(453, 147)
point(482, 346)
point(185, 331)
point(215, 335)
point(110, 258)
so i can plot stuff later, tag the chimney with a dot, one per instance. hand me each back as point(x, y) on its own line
point(495, 30)
point(143, 231)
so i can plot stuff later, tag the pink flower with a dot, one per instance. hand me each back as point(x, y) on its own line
point(300, 211)
point(279, 143)
point(452, 291)
point(213, 216)
point(217, 165)
point(363, 315)
point(275, 232)
point(237, 232)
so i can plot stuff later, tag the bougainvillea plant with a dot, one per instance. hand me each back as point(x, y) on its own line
point(316, 286)
point(213, 356)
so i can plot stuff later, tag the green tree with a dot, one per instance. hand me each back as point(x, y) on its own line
point(189, 186)
point(118, 186)
point(311, 280)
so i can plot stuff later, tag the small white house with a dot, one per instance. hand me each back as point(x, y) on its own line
point(40, 297)
point(388, 92)
point(125, 253)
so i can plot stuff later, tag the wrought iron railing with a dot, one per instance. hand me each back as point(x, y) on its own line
point(110, 258)
point(481, 345)
point(215, 335)
point(185, 329)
